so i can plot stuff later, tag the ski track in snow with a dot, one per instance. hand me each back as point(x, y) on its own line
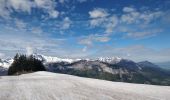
point(52, 86)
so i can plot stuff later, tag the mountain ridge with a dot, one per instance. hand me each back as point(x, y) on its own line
point(112, 69)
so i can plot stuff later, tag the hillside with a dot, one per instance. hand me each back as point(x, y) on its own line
point(52, 86)
point(112, 69)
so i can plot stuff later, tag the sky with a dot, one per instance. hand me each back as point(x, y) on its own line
point(132, 29)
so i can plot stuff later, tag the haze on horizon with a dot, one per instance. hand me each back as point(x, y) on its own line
point(137, 30)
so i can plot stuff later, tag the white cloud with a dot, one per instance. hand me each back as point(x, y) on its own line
point(143, 34)
point(37, 31)
point(88, 40)
point(20, 5)
point(102, 39)
point(133, 16)
point(7, 7)
point(84, 49)
point(130, 18)
point(20, 24)
point(26, 43)
point(107, 23)
point(48, 6)
point(2, 55)
point(149, 16)
point(112, 23)
point(53, 14)
point(98, 13)
point(140, 20)
point(29, 50)
point(97, 22)
point(100, 18)
point(128, 9)
point(4, 13)
point(140, 23)
point(66, 23)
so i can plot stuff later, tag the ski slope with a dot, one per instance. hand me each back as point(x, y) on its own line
point(52, 86)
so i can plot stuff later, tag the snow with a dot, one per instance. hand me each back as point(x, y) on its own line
point(56, 59)
point(50, 59)
point(52, 86)
point(112, 60)
point(6, 63)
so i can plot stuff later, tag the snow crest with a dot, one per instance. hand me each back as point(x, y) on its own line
point(113, 60)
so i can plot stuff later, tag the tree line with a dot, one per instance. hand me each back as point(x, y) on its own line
point(25, 64)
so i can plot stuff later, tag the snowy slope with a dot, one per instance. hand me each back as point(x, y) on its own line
point(51, 86)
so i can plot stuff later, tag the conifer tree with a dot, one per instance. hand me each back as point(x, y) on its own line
point(23, 64)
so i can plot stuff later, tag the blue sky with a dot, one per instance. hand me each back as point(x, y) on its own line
point(133, 29)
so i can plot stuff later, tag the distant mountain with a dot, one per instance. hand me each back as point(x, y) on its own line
point(113, 69)
point(4, 65)
point(164, 65)
point(49, 59)
point(110, 60)
point(122, 70)
point(147, 63)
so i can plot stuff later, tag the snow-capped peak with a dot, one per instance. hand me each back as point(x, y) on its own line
point(6, 63)
point(49, 59)
point(112, 60)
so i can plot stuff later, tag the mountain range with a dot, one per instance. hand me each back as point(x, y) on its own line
point(112, 69)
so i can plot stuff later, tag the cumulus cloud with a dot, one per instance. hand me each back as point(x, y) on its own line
point(96, 22)
point(141, 22)
point(100, 18)
point(98, 13)
point(107, 23)
point(20, 5)
point(7, 7)
point(132, 16)
point(53, 14)
point(49, 6)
